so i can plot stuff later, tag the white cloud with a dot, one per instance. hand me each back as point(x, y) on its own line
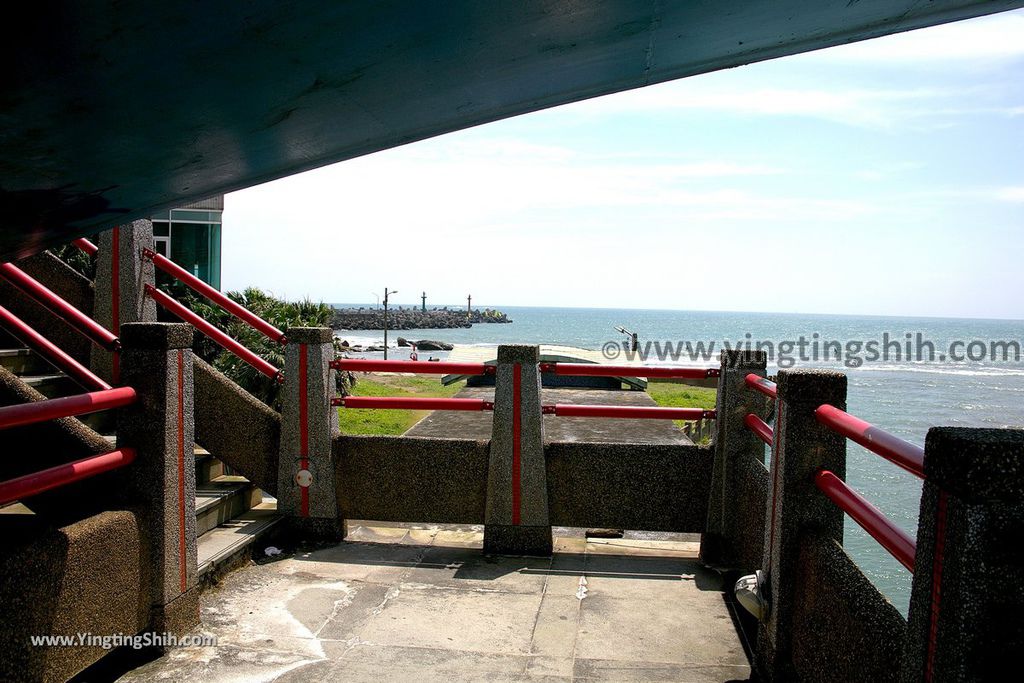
point(1010, 194)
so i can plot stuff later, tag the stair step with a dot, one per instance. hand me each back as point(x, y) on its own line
point(24, 362)
point(222, 499)
point(52, 385)
point(208, 467)
point(232, 543)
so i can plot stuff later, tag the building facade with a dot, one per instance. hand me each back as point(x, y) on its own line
point(190, 235)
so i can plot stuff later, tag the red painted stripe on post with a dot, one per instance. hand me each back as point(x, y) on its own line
point(775, 485)
point(303, 427)
point(181, 471)
point(115, 295)
point(940, 542)
point(516, 440)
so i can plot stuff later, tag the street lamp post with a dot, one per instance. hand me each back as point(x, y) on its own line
point(386, 293)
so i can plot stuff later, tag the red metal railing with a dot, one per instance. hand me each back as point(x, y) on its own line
point(765, 386)
point(760, 428)
point(628, 412)
point(37, 482)
point(600, 370)
point(86, 246)
point(215, 334)
point(890, 536)
point(419, 367)
point(48, 350)
point(61, 308)
point(177, 272)
point(399, 403)
point(892, 448)
point(68, 406)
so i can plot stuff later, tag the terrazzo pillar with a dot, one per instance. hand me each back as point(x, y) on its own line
point(516, 518)
point(966, 601)
point(305, 483)
point(120, 297)
point(719, 545)
point(802, 447)
point(156, 360)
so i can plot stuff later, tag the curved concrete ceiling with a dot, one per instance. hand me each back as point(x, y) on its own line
point(110, 111)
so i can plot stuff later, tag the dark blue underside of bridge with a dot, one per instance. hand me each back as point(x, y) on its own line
point(110, 110)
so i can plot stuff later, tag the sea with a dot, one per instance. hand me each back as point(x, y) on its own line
point(961, 380)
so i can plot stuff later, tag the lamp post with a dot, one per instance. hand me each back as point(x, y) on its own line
point(386, 293)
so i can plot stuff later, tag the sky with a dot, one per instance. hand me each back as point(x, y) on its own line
point(884, 177)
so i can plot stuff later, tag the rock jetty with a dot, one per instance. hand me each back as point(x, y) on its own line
point(413, 318)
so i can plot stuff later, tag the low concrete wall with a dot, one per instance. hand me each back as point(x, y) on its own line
point(236, 427)
point(85, 577)
point(74, 287)
point(629, 486)
point(846, 630)
point(401, 479)
point(753, 489)
point(35, 447)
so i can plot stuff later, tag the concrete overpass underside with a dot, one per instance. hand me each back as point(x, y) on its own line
point(110, 111)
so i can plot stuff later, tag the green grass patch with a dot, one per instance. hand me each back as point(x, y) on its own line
point(682, 396)
point(391, 422)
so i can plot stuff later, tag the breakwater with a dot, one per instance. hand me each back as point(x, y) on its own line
point(413, 318)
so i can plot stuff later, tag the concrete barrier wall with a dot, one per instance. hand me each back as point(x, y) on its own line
point(236, 427)
point(400, 479)
point(846, 630)
point(36, 447)
point(629, 486)
point(753, 489)
point(65, 281)
point(85, 577)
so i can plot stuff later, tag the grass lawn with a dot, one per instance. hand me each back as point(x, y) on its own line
point(361, 421)
point(681, 396)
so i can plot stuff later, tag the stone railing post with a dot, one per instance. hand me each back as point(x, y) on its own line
point(802, 447)
point(733, 440)
point(516, 519)
point(156, 360)
point(309, 423)
point(966, 602)
point(120, 297)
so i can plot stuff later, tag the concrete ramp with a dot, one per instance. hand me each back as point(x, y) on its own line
point(469, 425)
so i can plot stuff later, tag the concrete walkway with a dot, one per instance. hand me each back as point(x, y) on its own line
point(423, 604)
point(467, 425)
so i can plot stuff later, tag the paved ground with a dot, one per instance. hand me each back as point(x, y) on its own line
point(423, 604)
point(467, 425)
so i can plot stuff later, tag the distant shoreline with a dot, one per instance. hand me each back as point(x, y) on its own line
point(414, 319)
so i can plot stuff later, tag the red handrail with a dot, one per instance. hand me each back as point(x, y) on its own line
point(628, 412)
point(213, 333)
point(235, 309)
point(86, 246)
point(765, 386)
point(400, 403)
point(892, 448)
point(48, 350)
point(61, 308)
point(37, 482)
point(68, 406)
point(899, 544)
point(419, 367)
point(760, 427)
point(600, 370)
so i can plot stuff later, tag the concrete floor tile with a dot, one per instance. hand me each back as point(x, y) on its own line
point(473, 620)
point(468, 569)
point(656, 631)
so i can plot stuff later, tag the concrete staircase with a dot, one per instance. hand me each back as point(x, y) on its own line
point(232, 515)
